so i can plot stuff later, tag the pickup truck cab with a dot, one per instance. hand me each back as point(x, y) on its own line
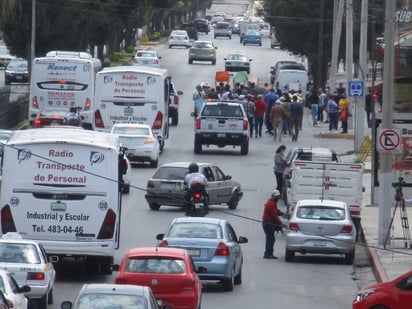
point(222, 123)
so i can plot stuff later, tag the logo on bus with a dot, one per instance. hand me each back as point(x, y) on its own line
point(23, 154)
point(103, 205)
point(96, 157)
point(14, 201)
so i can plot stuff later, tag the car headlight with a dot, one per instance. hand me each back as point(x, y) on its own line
point(363, 294)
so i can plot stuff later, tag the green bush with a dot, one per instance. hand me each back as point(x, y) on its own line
point(155, 36)
point(130, 49)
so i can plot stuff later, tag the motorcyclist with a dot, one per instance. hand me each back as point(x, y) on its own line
point(73, 117)
point(194, 180)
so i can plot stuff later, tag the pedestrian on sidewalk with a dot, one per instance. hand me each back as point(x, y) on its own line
point(313, 101)
point(296, 113)
point(279, 166)
point(343, 106)
point(271, 223)
point(333, 114)
point(368, 107)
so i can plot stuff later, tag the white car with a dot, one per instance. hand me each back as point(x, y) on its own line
point(179, 38)
point(140, 143)
point(27, 260)
point(237, 62)
point(147, 58)
point(12, 291)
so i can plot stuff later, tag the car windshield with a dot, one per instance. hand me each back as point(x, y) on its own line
point(237, 57)
point(146, 55)
point(171, 173)
point(195, 230)
point(19, 253)
point(131, 131)
point(315, 212)
point(202, 45)
point(179, 33)
point(17, 64)
point(155, 265)
point(111, 301)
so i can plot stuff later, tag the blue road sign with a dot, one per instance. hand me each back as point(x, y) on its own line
point(356, 88)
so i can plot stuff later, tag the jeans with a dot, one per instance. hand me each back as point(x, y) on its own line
point(251, 125)
point(279, 181)
point(333, 121)
point(314, 108)
point(269, 229)
point(258, 125)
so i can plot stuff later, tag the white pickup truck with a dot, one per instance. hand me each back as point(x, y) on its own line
point(327, 180)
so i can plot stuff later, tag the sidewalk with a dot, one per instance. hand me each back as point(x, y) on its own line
point(395, 259)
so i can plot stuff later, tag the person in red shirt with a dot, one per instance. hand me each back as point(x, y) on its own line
point(260, 108)
point(271, 223)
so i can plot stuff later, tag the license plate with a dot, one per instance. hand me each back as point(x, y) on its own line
point(168, 186)
point(194, 252)
point(54, 123)
point(128, 111)
point(19, 77)
point(221, 135)
point(319, 243)
point(58, 206)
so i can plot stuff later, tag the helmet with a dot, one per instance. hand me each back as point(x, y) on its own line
point(275, 193)
point(193, 167)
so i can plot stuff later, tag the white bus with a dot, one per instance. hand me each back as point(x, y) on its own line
point(133, 94)
point(63, 187)
point(64, 79)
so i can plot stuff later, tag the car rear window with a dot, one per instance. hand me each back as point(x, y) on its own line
point(155, 265)
point(19, 253)
point(222, 26)
point(195, 230)
point(202, 45)
point(222, 110)
point(175, 173)
point(100, 300)
point(320, 213)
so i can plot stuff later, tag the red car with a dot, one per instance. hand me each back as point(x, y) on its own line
point(169, 272)
point(395, 294)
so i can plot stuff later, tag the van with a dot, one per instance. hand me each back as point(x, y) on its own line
point(223, 29)
point(292, 79)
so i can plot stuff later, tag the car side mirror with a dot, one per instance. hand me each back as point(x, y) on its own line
point(66, 304)
point(115, 267)
point(228, 177)
point(24, 289)
point(201, 270)
point(53, 259)
point(179, 92)
point(243, 240)
point(160, 236)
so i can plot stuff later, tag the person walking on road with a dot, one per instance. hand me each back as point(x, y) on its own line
point(271, 223)
point(260, 109)
point(279, 166)
point(277, 114)
point(296, 113)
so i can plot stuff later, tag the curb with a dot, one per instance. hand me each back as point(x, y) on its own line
point(337, 135)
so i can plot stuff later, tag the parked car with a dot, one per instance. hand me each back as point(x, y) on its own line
point(396, 293)
point(285, 64)
point(212, 243)
point(169, 272)
point(321, 226)
point(17, 71)
point(174, 103)
point(223, 29)
point(237, 62)
point(179, 38)
point(50, 116)
point(202, 25)
point(13, 293)
point(26, 259)
point(122, 296)
point(5, 56)
point(140, 143)
point(166, 186)
point(147, 58)
point(202, 51)
point(252, 37)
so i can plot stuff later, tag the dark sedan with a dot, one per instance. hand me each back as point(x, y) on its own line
point(166, 186)
point(17, 71)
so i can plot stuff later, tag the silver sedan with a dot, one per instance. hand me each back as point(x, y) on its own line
point(237, 62)
point(321, 226)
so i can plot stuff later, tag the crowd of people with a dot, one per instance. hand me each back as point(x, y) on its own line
point(281, 112)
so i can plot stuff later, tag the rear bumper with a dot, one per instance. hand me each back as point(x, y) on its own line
point(222, 139)
point(297, 242)
point(79, 248)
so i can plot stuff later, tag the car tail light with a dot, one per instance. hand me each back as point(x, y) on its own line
point(222, 250)
point(294, 226)
point(198, 123)
point(150, 184)
point(164, 243)
point(197, 196)
point(347, 229)
point(149, 140)
point(176, 100)
point(35, 276)
point(171, 37)
point(7, 222)
point(98, 119)
point(36, 122)
point(188, 284)
point(186, 38)
point(108, 226)
point(158, 123)
point(87, 104)
point(9, 304)
point(34, 102)
point(245, 124)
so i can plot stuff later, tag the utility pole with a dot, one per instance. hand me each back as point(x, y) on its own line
point(337, 29)
point(33, 33)
point(320, 45)
point(360, 102)
point(349, 54)
point(385, 175)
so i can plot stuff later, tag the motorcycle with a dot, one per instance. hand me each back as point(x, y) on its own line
point(198, 201)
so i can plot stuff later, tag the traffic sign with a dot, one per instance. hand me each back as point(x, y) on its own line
point(356, 88)
point(389, 140)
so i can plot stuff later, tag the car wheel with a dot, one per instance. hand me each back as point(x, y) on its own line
point(289, 255)
point(50, 297)
point(349, 257)
point(154, 163)
point(175, 119)
point(43, 301)
point(154, 206)
point(228, 284)
point(234, 200)
point(244, 148)
point(198, 146)
point(126, 189)
point(238, 278)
